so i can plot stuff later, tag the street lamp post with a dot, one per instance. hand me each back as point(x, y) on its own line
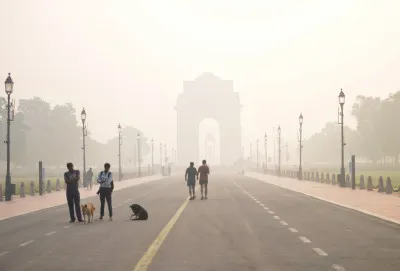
point(138, 150)
point(165, 153)
point(340, 121)
point(152, 156)
point(9, 85)
point(265, 149)
point(119, 151)
point(251, 152)
point(257, 152)
point(279, 150)
point(161, 163)
point(300, 145)
point(84, 134)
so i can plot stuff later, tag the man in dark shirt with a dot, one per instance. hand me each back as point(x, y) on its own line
point(71, 178)
point(190, 178)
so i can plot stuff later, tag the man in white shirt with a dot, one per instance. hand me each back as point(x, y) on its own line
point(105, 179)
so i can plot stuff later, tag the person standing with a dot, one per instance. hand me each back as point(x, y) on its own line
point(71, 178)
point(105, 179)
point(190, 178)
point(204, 171)
point(89, 176)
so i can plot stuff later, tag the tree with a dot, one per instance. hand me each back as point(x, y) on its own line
point(367, 111)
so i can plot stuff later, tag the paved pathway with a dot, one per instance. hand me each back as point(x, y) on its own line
point(381, 205)
point(20, 206)
point(245, 224)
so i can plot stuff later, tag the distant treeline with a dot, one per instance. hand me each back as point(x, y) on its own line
point(376, 138)
point(52, 135)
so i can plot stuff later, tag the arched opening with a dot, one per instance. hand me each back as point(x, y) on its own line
point(209, 141)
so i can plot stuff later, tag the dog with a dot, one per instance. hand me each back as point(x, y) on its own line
point(88, 210)
point(138, 212)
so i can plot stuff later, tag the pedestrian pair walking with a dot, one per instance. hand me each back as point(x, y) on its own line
point(192, 174)
point(105, 179)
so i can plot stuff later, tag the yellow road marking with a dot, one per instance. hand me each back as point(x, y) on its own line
point(146, 259)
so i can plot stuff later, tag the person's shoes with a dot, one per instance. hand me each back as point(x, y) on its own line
point(191, 198)
point(206, 197)
point(72, 221)
point(80, 221)
point(100, 218)
point(194, 197)
point(202, 197)
point(110, 218)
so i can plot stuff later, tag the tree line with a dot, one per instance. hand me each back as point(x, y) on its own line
point(40, 132)
point(376, 138)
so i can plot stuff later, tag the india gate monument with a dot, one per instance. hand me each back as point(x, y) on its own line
point(208, 96)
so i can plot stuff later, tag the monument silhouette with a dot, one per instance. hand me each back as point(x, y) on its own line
point(208, 96)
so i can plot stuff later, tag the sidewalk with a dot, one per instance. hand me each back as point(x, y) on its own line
point(20, 206)
point(383, 206)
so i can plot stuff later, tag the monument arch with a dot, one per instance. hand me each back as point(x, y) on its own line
point(208, 96)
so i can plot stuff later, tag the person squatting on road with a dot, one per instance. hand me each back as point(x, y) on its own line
point(204, 171)
point(190, 178)
point(105, 179)
point(71, 178)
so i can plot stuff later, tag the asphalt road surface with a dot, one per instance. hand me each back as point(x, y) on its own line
point(244, 225)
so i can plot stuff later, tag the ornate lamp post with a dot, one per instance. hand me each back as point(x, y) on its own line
point(152, 156)
point(300, 145)
point(279, 150)
point(9, 87)
point(341, 115)
point(265, 149)
point(119, 151)
point(84, 134)
point(257, 152)
point(138, 150)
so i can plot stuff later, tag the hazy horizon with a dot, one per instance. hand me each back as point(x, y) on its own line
point(125, 61)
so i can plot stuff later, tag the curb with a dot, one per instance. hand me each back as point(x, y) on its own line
point(391, 220)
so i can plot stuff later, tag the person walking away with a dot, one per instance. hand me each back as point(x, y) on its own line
point(105, 179)
point(190, 178)
point(89, 176)
point(71, 178)
point(203, 172)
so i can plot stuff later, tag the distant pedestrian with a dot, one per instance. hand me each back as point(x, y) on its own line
point(190, 178)
point(89, 177)
point(71, 178)
point(105, 179)
point(203, 171)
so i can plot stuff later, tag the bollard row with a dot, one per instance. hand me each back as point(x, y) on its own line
point(382, 186)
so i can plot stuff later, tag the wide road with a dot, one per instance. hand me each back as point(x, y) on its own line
point(244, 225)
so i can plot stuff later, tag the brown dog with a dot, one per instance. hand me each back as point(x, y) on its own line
point(88, 210)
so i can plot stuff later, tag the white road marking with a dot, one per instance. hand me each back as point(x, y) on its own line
point(27, 243)
point(304, 239)
point(271, 212)
point(338, 267)
point(293, 230)
point(277, 217)
point(129, 199)
point(320, 252)
point(262, 205)
point(284, 223)
point(3, 253)
point(266, 208)
point(67, 227)
point(50, 233)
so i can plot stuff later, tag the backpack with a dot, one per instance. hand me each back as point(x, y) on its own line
point(112, 181)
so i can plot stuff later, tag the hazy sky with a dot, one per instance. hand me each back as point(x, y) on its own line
point(125, 60)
